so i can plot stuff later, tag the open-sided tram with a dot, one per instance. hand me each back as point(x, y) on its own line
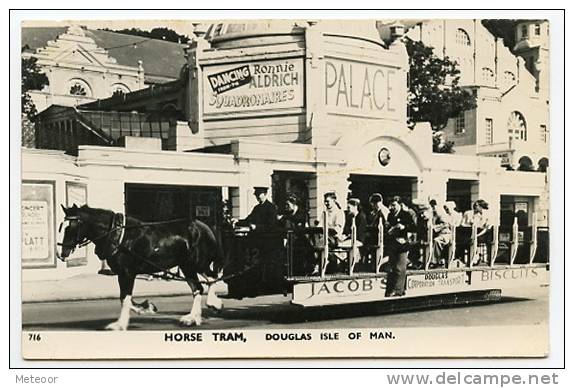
point(303, 263)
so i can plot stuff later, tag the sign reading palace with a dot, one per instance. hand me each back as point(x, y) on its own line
point(360, 89)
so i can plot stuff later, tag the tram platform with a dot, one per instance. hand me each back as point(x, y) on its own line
point(94, 286)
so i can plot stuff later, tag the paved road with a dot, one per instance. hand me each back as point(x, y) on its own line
point(525, 307)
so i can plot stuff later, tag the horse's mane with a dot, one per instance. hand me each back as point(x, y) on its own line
point(95, 213)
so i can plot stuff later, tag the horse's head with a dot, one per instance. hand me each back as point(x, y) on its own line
point(74, 231)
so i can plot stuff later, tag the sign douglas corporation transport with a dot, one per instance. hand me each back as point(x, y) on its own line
point(255, 86)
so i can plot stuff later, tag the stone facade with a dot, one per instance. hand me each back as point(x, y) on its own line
point(79, 71)
point(511, 120)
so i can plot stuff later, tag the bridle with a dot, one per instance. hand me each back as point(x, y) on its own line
point(80, 242)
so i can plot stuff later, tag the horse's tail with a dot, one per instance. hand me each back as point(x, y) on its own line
point(212, 260)
point(220, 258)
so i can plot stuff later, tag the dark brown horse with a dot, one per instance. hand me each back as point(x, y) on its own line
point(131, 247)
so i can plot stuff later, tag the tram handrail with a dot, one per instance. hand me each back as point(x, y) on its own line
point(380, 246)
point(428, 251)
point(514, 241)
point(534, 238)
point(451, 247)
point(494, 246)
point(352, 255)
point(473, 246)
point(325, 255)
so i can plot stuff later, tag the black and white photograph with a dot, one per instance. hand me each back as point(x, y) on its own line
point(272, 188)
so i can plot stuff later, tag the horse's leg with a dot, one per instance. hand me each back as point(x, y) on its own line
point(126, 282)
point(213, 301)
point(194, 316)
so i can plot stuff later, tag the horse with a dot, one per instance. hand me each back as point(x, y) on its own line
point(132, 247)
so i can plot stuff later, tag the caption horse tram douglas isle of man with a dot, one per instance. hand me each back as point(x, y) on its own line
point(306, 112)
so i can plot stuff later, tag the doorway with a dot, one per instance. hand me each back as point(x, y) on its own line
point(363, 186)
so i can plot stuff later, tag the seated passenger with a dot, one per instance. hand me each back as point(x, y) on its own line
point(335, 217)
point(354, 214)
point(455, 218)
point(294, 217)
point(442, 233)
point(379, 211)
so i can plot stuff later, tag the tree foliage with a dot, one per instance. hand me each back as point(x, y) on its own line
point(434, 92)
point(161, 33)
point(32, 79)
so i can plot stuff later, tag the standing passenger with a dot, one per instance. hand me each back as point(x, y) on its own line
point(400, 223)
point(478, 216)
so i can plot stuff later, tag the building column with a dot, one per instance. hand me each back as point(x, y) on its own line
point(485, 188)
point(252, 174)
point(430, 185)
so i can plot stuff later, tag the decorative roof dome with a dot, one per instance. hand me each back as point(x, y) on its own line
point(247, 29)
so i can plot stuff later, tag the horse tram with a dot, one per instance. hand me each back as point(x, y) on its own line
point(306, 264)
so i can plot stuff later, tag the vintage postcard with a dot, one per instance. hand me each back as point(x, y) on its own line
point(285, 188)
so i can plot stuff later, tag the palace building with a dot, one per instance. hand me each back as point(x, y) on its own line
point(297, 106)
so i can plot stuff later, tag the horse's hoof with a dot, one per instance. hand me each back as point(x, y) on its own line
point(145, 308)
point(189, 320)
point(216, 308)
point(116, 326)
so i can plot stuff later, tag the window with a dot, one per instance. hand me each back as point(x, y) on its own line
point(543, 133)
point(462, 37)
point(516, 126)
point(524, 30)
point(119, 89)
point(79, 87)
point(508, 80)
point(487, 75)
point(537, 29)
point(488, 131)
point(460, 124)
point(78, 90)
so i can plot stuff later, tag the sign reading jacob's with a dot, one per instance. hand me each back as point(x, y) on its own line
point(260, 85)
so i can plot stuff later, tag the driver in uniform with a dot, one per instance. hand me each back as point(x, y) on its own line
point(263, 217)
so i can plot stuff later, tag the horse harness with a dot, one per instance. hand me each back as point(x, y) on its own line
point(115, 234)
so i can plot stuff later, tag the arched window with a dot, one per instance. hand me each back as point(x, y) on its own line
point(516, 126)
point(543, 164)
point(79, 87)
point(509, 77)
point(525, 164)
point(487, 75)
point(118, 89)
point(462, 37)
